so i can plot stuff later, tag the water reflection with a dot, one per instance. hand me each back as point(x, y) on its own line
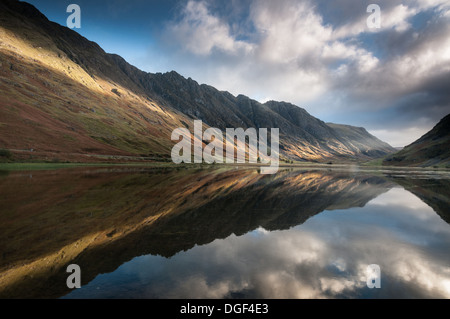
point(223, 234)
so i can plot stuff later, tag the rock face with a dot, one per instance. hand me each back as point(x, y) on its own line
point(60, 87)
point(432, 149)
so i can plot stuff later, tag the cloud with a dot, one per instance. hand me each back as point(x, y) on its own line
point(392, 17)
point(400, 137)
point(287, 53)
point(201, 32)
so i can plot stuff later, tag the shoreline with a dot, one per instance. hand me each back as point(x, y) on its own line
point(33, 166)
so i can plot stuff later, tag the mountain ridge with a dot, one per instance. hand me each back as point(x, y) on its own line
point(134, 111)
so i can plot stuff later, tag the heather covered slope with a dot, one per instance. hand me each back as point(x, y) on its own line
point(66, 99)
point(65, 109)
point(432, 149)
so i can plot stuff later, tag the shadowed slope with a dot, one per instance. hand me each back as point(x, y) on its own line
point(432, 149)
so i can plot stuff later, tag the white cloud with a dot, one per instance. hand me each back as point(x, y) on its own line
point(398, 197)
point(293, 53)
point(442, 5)
point(200, 32)
point(391, 18)
point(400, 137)
point(291, 31)
point(289, 57)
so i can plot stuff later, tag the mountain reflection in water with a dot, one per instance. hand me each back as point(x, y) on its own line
point(167, 233)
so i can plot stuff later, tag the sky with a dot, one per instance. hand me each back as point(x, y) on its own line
point(321, 55)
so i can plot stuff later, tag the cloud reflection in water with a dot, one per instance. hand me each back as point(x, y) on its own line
point(326, 257)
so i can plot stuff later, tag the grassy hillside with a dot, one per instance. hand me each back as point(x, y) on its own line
point(56, 109)
point(432, 149)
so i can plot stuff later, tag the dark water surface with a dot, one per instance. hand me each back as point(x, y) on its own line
point(167, 233)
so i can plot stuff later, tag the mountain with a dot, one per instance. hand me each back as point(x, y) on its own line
point(432, 149)
point(362, 140)
point(65, 99)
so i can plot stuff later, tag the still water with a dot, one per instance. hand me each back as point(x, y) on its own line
point(226, 233)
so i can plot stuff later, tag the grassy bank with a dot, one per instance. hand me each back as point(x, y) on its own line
point(42, 166)
point(53, 166)
point(373, 165)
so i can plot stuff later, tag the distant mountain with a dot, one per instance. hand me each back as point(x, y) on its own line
point(362, 140)
point(432, 149)
point(64, 98)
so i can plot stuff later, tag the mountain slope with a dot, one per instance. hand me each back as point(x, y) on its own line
point(57, 101)
point(360, 139)
point(302, 135)
point(67, 99)
point(431, 149)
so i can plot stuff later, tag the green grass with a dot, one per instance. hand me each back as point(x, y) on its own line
point(40, 166)
point(375, 162)
point(53, 166)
